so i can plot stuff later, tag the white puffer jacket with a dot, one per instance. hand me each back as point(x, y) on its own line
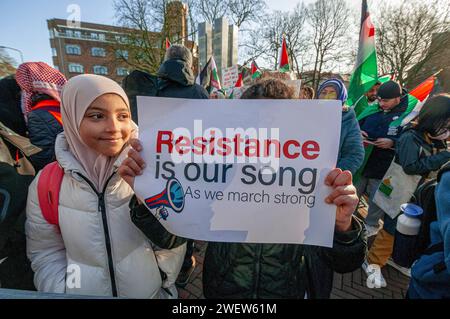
point(98, 242)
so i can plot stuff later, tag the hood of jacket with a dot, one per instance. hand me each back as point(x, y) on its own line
point(175, 71)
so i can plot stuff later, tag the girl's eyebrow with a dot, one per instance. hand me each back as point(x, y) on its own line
point(95, 108)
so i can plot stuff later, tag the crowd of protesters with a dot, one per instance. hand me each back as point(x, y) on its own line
point(85, 130)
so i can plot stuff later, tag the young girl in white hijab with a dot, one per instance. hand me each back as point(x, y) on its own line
point(95, 250)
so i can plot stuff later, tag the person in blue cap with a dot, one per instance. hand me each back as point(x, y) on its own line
point(351, 150)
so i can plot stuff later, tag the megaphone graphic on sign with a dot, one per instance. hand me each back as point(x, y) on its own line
point(171, 197)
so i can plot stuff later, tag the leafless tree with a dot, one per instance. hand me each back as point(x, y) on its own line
point(328, 22)
point(210, 10)
point(244, 11)
point(148, 27)
point(404, 35)
point(142, 18)
point(241, 12)
point(265, 41)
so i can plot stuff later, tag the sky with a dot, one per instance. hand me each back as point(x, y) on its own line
point(23, 25)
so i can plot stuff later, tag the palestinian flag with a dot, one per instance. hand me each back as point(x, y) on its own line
point(365, 74)
point(284, 58)
point(215, 81)
point(239, 84)
point(168, 44)
point(416, 100)
point(256, 72)
point(384, 78)
point(205, 76)
point(208, 77)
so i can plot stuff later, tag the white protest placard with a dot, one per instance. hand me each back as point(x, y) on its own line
point(230, 76)
point(240, 170)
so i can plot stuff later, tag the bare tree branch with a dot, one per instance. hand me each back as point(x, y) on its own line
point(404, 35)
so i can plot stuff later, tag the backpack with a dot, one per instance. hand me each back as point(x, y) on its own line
point(49, 185)
point(139, 83)
point(424, 197)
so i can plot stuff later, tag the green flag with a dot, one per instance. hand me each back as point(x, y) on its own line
point(365, 74)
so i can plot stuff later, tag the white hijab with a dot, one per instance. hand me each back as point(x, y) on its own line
point(76, 97)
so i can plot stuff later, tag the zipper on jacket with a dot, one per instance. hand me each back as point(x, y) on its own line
point(102, 210)
point(259, 248)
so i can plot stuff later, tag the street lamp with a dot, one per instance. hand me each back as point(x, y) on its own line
point(20, 52)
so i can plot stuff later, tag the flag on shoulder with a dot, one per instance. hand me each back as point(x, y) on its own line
point(417, 98)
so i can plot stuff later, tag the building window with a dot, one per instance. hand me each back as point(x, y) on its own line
point(52, 34)
point(69, 33)
point(54, 52)
point(122, 54)
point(98, 52)
point(76, 68)
point(122, 71)
point(77, 34)
point(73, 49)
point(101, 36)
point(101, 70)
point(121, 39)
point(94, 36)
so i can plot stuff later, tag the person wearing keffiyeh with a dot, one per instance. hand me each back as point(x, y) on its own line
point(41, 87)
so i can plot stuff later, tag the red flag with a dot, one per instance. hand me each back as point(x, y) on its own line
point(256, 72)
point(284, 60)
point(168, 44)
point(424, 89)
point(239, 82)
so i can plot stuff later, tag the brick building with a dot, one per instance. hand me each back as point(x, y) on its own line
point(101, 49)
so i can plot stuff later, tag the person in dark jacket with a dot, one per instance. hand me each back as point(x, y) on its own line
point(421, 150)
point(176, 75)
point(241, 270)
point(377, 130)
point(15, 268)
point(351, 150)
point(10, 112)
point(41, 86)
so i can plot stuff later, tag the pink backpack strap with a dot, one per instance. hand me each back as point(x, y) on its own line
point(49, 185)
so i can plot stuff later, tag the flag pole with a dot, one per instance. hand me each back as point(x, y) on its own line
point(437, 73)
